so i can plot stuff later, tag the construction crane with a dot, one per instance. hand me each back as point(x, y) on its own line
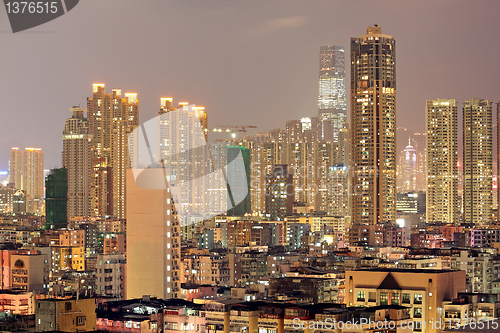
point(232, 129)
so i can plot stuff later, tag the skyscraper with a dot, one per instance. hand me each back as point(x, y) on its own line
point(478, 161)
point(77, 159)
point(239, 181)
point(373, 128)
point(153, 238)
point(442, 173)
point(183, 146)
point(16, 168)
point(32, 180)
point(217, 186)
point(57, 199)
point(279, 193)
point(337, 191)
point(111, 119)
point(332, 104)
point(407, 170)
point(125, 120)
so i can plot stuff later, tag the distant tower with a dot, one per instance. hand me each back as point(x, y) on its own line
point(373, 129)
point(478, 161)
point(16, 168)
point(33, 182)
point(409, 169)
point(332, 104)
point(442, 173)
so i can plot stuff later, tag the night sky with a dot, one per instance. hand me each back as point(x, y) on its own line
point(248, 62)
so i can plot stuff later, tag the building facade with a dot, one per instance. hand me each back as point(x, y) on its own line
point(442, 172)
point(422, 291)
point(16, 168)
point(478, 161)
point(111, 118)
point(332, 99)
point(77, 159)
point(279, 193)
point(153, 239)
point(373, 128)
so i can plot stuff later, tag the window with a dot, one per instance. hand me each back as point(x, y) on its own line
point(361, 296)
point(406, 299)
point(80, 321)
point(384, 298)
point(417, 299)
point(395, 298)
point(417, 312)
point(67, 306)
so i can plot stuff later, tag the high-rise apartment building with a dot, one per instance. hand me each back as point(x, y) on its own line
point(217, 186)
point(77, 159)
point(373, 127)
point(337, 194)
point(153, 237)
point(238, 179)
point(32, 179)
point(56, 202)
point(183, 147)
point(332, 100)
point(442, 172)
point(478, 161)
point(125, 120)
point(269, 154)
point(279, 193)
point(16, 168)
point(111, 118)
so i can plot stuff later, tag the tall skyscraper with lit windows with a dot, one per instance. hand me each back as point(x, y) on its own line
point(332, 100)
point(111, 119)
point(33, 180)
point(407, 175)
point(183, 146)
point(16, 168)
point(478, 161)
point(125, 120)
point(442, 151)
point(77, 159)
point(373, 128)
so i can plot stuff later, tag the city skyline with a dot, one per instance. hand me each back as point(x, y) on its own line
point(276, 33)
point(361, 197)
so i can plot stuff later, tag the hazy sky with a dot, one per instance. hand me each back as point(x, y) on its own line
point(248, 62)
